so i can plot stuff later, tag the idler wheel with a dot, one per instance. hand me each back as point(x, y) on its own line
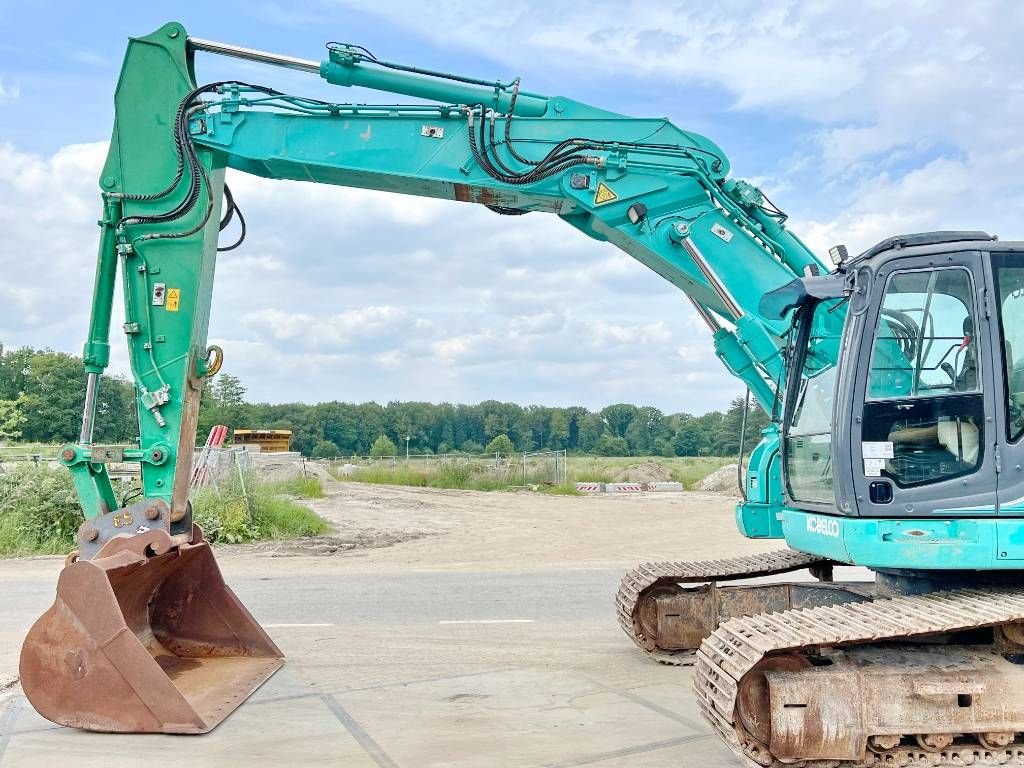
point(753, 701)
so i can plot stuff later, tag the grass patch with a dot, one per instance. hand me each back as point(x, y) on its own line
point(478, 475)
point(688, 470)
point(239, 511)
point(471, 476)
point(301, 487)
point(40, 514)
point(561, 489)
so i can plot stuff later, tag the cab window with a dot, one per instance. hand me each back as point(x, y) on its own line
point(1008, 269)
point(924, 413)
point(809, 434)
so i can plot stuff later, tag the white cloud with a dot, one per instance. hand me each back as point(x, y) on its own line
point(8, 91)
point(345, 329)
point(48, 212)
point(884, 88)
point(904, 117)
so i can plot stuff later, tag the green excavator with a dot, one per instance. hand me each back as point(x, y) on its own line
point(896, 398)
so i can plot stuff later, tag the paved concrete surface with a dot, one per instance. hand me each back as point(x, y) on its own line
point(419, 655)
point(551, 682)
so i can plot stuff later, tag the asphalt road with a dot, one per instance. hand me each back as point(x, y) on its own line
point(412, 669)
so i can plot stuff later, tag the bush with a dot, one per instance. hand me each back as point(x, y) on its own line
point(501, 444)
point(325, 449)
point(39, 513)
point(382, 446)
point(611, 445)
point(240, 511)
point(471, 446)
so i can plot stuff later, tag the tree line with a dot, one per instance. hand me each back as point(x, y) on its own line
point(42, 394)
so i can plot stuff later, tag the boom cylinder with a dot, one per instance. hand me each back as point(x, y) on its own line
point(341, 69)
point(430, 88)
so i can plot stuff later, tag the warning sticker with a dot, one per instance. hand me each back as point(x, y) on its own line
point(604, 194)
point(173, 299)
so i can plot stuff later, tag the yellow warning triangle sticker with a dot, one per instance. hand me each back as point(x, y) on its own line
point(604, 194)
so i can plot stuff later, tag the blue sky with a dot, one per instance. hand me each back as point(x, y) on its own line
point(861, 120)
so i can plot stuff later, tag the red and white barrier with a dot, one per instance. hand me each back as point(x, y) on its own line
point(623, 487)
point(201, 470)
point(590, 487)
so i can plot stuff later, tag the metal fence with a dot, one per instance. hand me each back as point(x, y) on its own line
point(545, 467)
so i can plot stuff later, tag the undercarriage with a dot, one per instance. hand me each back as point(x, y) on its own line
point(838, 675)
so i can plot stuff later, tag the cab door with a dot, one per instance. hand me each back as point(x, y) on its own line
point(1007, 309)
point(922, 435)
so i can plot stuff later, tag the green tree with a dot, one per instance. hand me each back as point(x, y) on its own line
point(645, 429)
point(383, 446)
point(12, 416)
point(688, 439)
point(611, 445)
point(325, 449)
point(663, 447)
point(501, 444)
point(57, 383)
point(229, 401)
point(591, 427)
point(559, 428)
point(618, 417)
point(471, 446)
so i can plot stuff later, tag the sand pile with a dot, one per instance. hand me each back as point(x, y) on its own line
point(723, 479)
point(644, 472)
point(275, 467)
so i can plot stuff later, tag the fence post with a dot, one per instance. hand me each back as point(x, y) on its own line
point(245, 491)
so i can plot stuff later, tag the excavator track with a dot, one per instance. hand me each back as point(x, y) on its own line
point(649, 576)
point(739, 645)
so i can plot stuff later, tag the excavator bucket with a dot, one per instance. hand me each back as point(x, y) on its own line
point(140, 642)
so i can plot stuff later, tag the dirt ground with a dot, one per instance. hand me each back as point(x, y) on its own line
point(441, 529)
point(434, 627)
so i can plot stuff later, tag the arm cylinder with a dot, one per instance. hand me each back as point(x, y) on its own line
point(96, 353)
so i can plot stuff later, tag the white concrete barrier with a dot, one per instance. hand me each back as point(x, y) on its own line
point(590, 487)
point(623, 487)
point(665, 486)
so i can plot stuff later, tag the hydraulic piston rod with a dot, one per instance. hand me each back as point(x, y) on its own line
point(251, 54)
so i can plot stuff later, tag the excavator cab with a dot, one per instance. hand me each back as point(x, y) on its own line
point(916, 389)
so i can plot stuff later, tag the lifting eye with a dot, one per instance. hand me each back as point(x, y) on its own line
point(964, 699)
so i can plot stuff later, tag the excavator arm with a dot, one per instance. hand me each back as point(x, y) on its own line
point(660, 193)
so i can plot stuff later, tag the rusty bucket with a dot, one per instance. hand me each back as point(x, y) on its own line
point(145, 639)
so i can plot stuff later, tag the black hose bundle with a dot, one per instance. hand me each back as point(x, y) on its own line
point(187, 156)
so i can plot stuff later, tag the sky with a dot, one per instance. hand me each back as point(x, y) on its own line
point(860, 120)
